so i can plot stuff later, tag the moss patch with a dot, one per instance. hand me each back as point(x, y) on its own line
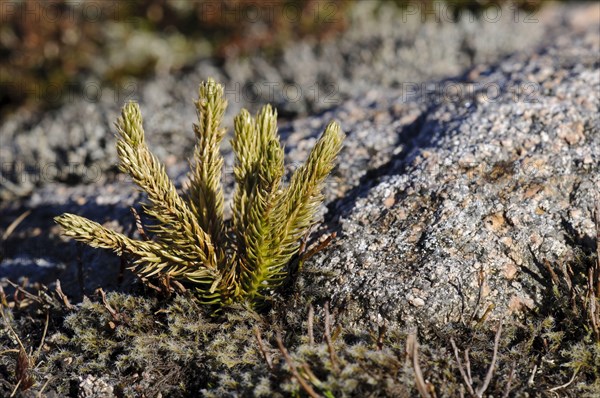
point(143, 344)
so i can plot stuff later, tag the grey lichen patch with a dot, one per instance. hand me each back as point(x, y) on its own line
point(142, 345)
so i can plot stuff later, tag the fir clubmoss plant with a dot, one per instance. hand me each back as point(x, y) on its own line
point(239, 260)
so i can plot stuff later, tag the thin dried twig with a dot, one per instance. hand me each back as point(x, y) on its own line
point(490, 373)
point(14, 391)
point(22, 366)
point(468, 366)
point(461, 368)
point(304, 242)
point(261, 347)
point(115, 315)
point(532, 377)
point(567, 383)
point(151, 285)
point(13, 225)
point(21, 290)
point(307, 370)
point(511, 375)
point(288, 359)
point(309, 373)
point(466, 375)
point(165, 284)
point(63, 296)
point(138, 224)
point(593, 310)
point(412, 349)
point(3, 302)
point(39, 350)
point(178, 285)
point(39, 394)
point(24, 360)
point(553, 276)
point(318, 247)
point(332, 355)
point(486, 314)
point(10, 328)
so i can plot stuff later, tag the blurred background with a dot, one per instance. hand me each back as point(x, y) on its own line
point(51, 51)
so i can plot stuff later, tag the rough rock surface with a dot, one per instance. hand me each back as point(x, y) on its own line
point(445, 200)
point(463, 221)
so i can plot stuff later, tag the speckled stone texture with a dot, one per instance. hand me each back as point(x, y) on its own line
point(492, 183)
point(446, 200)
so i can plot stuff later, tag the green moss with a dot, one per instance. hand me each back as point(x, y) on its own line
point(176, 348)
point(146, 345)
